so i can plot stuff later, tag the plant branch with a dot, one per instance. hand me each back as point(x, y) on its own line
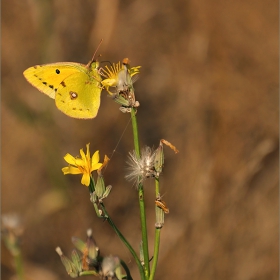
point(127, 244)
point(141, 198)
point(157, 238)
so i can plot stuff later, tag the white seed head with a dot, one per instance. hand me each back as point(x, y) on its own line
point(141, 168)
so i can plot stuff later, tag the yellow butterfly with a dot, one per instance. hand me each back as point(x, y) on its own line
point(75, 87)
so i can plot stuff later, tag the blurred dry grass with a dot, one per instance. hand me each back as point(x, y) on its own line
point(209, 85)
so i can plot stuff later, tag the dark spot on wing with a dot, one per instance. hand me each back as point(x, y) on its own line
point(63, 84)
point(51, 86)
point(73, 95)
point(57, 71)
point(45, 83)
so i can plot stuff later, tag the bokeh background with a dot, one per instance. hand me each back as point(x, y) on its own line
point(208, 84)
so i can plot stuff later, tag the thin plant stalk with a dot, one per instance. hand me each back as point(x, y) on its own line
point(88, 272)
point(19, 265)
point(12, 243)
point(135, 132)
point(111, 223)
point(141, 198)
point(157, 238)
point(128, 276)
point(156, 253)
point(91, 186)
point(117, 231)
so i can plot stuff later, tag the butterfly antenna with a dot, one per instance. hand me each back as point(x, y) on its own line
point(96, 50)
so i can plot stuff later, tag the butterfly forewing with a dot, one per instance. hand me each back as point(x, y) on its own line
point(47, 77)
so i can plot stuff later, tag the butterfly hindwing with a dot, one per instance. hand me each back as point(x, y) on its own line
point(78, 95)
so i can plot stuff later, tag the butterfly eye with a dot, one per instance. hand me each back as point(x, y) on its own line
point(73, 95)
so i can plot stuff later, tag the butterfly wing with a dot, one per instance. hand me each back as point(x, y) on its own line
point(78, 95)
point(47, 77)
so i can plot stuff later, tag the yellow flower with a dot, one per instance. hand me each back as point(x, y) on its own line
point(119, 76)
point(112, 75)
point(83, 165)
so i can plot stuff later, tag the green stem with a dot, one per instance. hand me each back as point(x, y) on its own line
point(156, 253)
point(91, 186)
point(12, 243)
point(88, 272)
point(138, 262)
point(19, 266)
point(135, 132)
point(157, 187)
point(157, 238)
point(144, 230)
point(128, 276)
point(105, 213)
point(141, 198)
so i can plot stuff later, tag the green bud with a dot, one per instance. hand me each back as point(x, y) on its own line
point(159, 160)
point(73, 269)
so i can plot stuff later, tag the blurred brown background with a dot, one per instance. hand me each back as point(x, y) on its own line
point(209, 85)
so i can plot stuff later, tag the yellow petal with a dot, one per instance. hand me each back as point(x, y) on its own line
point(70, 159)
point(74, 170)
point(80, 162)
point(83, 156)
point(85, 179)
point(109, 82)
point(95, 166)
point(88, 153)
point(65, 170)
point(95, 158)
point(70, 170)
